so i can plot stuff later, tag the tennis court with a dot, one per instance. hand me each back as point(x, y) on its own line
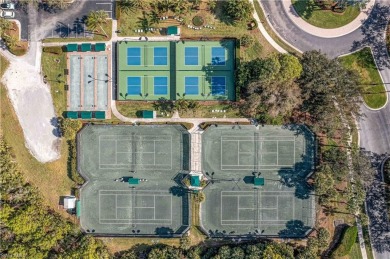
point(88, 81)
point(234, 156)
point(151, 154)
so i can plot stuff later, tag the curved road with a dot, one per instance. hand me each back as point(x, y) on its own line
point(375, 126)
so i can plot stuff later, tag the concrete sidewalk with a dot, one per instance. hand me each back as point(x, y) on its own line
point(327, 33)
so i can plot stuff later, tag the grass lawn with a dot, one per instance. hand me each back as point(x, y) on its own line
point(116, 244)
point(20, 47)
point(205, 111)
point(355, 253)
point(53, 65)
point(271, 32)
point(363, 62)
point(50, 178)
point(130, 21)
point(132, 109)
point(313, 14)
point(98, 36)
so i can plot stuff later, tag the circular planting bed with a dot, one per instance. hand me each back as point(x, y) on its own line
point(324, 15)
point(197, 21)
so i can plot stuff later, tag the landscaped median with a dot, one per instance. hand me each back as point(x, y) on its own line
point(325, 14)
point(373, 90)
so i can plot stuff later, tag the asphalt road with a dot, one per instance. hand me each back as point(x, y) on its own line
point(375, 127)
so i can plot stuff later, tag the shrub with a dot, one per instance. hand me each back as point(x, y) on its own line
point(347, 241)
point(246, 40)
point(72, 163)
point(69, 127)
point(198, 20)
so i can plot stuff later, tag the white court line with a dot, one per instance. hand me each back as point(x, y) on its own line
point(136, 221)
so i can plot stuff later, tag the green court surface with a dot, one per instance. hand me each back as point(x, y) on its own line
point(108, 156)
point(232, 156)
point(198, 70)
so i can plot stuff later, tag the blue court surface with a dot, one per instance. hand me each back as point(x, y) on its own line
point(160, 85)
point(191, 56)
point(218, 56)
point(218, 85)
point(191, 85)
point(134, 56)
point(160, 56)
point(134, 85)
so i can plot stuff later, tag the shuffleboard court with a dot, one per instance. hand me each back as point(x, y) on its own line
point(258, 180)
point(131, 171)
point(75, 82)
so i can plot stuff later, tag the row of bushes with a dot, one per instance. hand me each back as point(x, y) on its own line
point(72, 162)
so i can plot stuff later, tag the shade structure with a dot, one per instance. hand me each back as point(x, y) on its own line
point(70, 202)
point(86, 115)
point(147, 114)
point(100, 115)
point(72, 115)
point(172, 30)
point(133, 181)
point(195, 181)
point(259, 181)
point(86, 47)
point(71, 47)
point(100, 46)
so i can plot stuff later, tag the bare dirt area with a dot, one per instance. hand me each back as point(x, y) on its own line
point(34, 107)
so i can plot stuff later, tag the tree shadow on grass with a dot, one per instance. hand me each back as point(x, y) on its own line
point(373, 30)
point(294, 228)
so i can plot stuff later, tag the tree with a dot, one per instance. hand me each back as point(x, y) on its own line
point(240, 10)
point(131, 5)
point(69, 127)
point(247, 40)
point(290, 67)
point(363, 171)
point(185, 242)
point(97, 19)
point(212, 5)
point(325, 82)
point(60, 4)
point(323, 237)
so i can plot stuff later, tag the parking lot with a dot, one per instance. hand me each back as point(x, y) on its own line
point(55, 23)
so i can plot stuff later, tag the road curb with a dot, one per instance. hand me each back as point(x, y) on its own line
point(327, 33)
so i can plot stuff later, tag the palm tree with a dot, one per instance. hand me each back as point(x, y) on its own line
point(131, 5)
point(154, 18)
point(96, 19)
point(144, 22)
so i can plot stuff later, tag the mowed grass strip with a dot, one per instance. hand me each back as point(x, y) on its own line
point(53, 65)
point(363, 62)
point(270, 31)
point(327, 19)
point(51, 178)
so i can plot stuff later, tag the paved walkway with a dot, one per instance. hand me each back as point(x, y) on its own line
point(327, 33)
point(265, 33)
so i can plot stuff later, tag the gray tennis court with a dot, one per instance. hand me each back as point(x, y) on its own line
point(258, 180)
point(75, 82)
point(131, 171)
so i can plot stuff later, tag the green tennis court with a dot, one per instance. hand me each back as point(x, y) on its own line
point(131, 190)
point(258, 180)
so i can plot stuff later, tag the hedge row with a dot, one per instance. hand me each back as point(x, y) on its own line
point(347, 241)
